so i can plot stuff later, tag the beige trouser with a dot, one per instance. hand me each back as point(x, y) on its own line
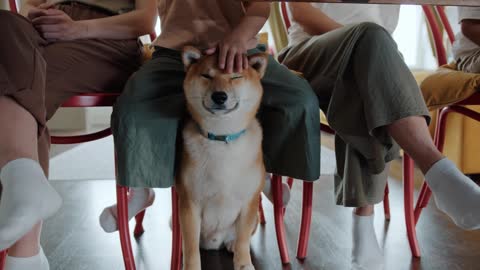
point(470, 63)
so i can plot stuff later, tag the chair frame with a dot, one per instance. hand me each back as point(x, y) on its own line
point(440, 129)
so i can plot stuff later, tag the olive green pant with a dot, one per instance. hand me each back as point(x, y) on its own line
point(363, 85)
point(148, 117)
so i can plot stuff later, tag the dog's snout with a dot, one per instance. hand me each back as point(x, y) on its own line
point(219, 97)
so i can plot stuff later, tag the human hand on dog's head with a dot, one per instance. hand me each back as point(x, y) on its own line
point(232, 52)
point(40, 10)
point(257, 62)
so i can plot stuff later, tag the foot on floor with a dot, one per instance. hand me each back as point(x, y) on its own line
point(138, 200)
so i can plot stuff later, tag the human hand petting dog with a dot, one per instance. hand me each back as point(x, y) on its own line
point(54, 24)
point(232, 52)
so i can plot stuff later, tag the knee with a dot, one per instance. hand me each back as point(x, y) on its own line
point(374, 36)
point(305, 98)
point(372, 28)
point(8, 20)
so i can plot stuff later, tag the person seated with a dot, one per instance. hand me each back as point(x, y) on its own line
point(146, 138)
point(466, 48)
point(373, 103)
point(56, 50)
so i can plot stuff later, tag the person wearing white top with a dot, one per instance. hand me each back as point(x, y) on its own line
point(466, 48)
point(344, 14)
point(373, 103)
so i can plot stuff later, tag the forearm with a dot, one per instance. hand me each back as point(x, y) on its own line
point(471, 29)
point(125, 26)
point(27, 5)
point(313, 20)
point(255, 18)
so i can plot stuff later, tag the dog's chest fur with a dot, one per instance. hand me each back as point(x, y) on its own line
point(222, 177)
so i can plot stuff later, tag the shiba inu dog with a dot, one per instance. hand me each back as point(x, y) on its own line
point(222, 171)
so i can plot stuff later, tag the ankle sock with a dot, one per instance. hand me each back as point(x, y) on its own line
point(27, 198)
point(455, 194)
point(366, 252)
point(138, 200)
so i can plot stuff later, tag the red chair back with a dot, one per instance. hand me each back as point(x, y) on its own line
point(436, 34)
point(13, 6)
point(286, 19)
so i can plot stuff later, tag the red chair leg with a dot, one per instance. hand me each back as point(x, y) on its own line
point(261, 213)
point(386, 203)
point(123, 228)
point(439, 141)
point(306, 220)
point(3, 259)
point(408, 204)
point(139, 230)
point(278, 211)
point(422, 201)
point(176, 261)
point(290, 182)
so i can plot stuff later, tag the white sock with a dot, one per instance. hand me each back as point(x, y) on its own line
point(455, 194)
point(138, 200)
point(366, 253)
point(27, 198)
point(37, 262)
point(267, 190)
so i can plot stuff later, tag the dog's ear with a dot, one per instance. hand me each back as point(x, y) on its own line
point(190, 55)
point(258, 62)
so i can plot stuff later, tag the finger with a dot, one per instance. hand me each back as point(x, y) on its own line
point(54, 11)
point(230, 61)
point(210, 51)
point(44, 28)
point(47, 20)
point(35, 12)
point(45, 5)
point(52, 35)
point(222, 57)
point(238, 62)
point(245, 61)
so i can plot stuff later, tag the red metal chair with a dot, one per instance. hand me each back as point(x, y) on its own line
point(412, 215)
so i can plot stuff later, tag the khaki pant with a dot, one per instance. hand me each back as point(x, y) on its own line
point(470, 63)
point(40, 76)
point(362, 85)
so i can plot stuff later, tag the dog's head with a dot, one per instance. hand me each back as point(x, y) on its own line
point(214, 96)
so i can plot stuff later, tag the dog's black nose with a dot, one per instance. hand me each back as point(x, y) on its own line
point(219, 97)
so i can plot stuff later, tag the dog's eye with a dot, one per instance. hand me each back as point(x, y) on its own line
point(206, 76)
point(236, 77)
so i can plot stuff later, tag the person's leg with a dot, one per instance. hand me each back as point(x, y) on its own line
point(291, 126)
point(27, 198)
point(366, 252)
point(470, 63)
point(455, 194)
point(145, 124)
point(394, 107)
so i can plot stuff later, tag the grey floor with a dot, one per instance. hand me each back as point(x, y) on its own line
point(73, 239)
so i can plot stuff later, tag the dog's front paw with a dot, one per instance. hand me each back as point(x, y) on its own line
point(244, 267)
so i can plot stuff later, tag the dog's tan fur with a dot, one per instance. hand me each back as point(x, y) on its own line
point(219, 183)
